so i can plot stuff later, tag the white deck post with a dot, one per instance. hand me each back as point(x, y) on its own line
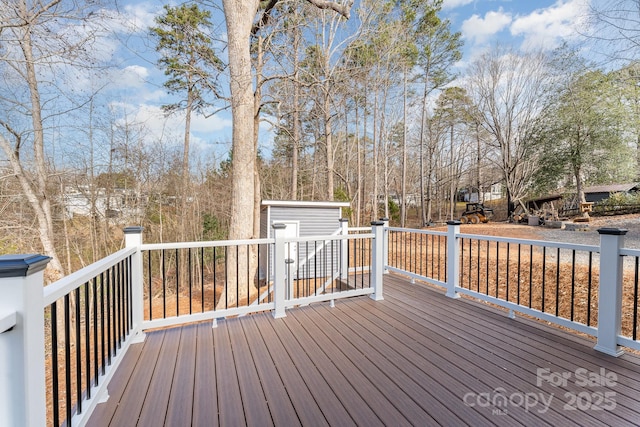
point(377, 260)
point(344, 249)
point(453, 258)
point(610, 293)
point(279, 270)
point(133, 239)
point(385, 247)
point(22, 374)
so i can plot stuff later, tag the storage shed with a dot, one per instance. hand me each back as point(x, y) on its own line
point(302, 219)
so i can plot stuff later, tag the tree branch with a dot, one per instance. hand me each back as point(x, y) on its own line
point(342, 9)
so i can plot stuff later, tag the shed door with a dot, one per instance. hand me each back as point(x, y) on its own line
point(291, 249)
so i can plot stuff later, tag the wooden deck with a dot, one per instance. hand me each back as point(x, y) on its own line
point(416, 358)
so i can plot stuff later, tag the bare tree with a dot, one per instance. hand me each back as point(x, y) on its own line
point(240, 16)
point(510, 91)
point(37, 40)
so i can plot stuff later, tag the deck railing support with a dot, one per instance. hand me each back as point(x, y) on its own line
point(22, 374)
point(610, 292)
point(133, 239)
point(377, 259)
point(344, 249)
point(279, 271)
point(385, 247)
point(453, 258)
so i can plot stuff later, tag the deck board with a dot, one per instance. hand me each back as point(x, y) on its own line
point(256, 409)
point(180, 405)
point(205, 401)
point(134, 394)
point(527, 352)
point(408, 360)
point(230, 406)
point(154, 409)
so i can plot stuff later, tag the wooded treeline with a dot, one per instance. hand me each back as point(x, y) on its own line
point(366, 103)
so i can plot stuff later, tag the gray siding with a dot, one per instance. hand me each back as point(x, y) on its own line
point(314, 221)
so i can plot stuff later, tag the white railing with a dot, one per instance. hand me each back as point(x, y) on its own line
point(92, 316)
point(113, 290)
point(467, 261)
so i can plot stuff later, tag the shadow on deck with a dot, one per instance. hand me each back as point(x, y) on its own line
point(416, 358)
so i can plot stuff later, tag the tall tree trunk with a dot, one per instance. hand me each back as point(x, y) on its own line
point(37, 193)
point(257, 105)
point(403, 201)
point(423, 130)
point(239, 16)
point(358, 165)
point(296, 117)
point(184, 194)
point(328, 133)
point(452, 183)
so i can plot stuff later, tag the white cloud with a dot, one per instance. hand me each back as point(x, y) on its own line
point(133, 76)
point(452, 4)
point(480, 29)
point(158, 124)
point(544, 28)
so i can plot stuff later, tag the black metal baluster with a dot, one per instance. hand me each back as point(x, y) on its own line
point(589, 283)
point(507, 272)
point(488, 256)
point(67, 357)
point(544, 268)
point(87, 340)
point(164, 285)
point(635, 300)
point(55, 381)
point(215, 262)
point(479, 259)
point(109, 317)
point(307, 267)
point(95, 330)
point(558, 281)
point(445, 260)
point(226, 278)
point(470, 261)
point(117, 299)
point(237, 275)
point(103, 354)
point(78, 352)
point(150, 289)
point(530, 272)
point(573, 280)
point(190, 270)
point(497, 267)
point(178, 283)
point(519, 269)
point(202, 279)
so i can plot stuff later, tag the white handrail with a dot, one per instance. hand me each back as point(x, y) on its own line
point(62, 287)
point(208, 244)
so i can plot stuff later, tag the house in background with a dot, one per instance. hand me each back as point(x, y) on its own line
point(599, 193)
point(565, 199)
point(472, 195)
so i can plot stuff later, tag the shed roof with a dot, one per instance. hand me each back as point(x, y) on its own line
point(612, 188)
point(305, 204)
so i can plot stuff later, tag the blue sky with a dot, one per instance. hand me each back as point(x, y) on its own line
point(525, 24)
